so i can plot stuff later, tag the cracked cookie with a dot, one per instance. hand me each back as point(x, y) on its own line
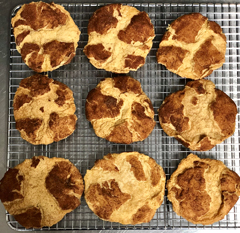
point(41, 191)
point(119, 38)
point(120, 111)
point(203, 191)
point(127, 188)
point(44, 110)
point(199, 116)
point(46, 35)
point(192, 47)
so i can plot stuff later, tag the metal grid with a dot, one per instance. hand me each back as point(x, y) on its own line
point(83, 147)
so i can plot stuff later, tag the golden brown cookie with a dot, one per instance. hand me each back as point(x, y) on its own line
point(127, 188)
point(192, 47)
point(120, 111)
point(44, 110)
point(203, 191)
point(41, 191)
point(119, 38)
point(199, 116)
point(46, 35)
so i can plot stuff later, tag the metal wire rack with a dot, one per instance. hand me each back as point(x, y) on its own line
point(83, 147)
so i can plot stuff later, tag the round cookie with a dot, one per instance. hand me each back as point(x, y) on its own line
point(120, 111)
point(41, 191)
point(119, 38)
point(199, 116)
point(127, 188)
point(44, 110)
point(203, 191)
point(192, 47)
point(46, 35)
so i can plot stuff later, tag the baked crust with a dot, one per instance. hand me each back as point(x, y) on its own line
point(120, 111)
point(199, 116)
point(44, 110)
point(46, 35)
point(203, 191)
point(119, 38)
point(192, 47)
point(41, 191)
point(127, 188)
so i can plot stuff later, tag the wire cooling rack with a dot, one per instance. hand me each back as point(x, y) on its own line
point(83, 147)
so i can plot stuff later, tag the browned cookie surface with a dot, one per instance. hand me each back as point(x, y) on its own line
point(120, 111)
point(44, 110)
point(126, 188)
point(46, 35)
point(203, 191)
point(192, 47)
point(120, 38)
point(40, 191)
point(199, 116)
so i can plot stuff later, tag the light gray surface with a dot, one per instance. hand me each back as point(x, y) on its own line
point(6, 7)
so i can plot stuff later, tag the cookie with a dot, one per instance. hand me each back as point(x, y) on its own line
point(199, 116)
point(119, 38)
point(127, 188)
point(120, 111)
point(41, 191)
point(46, 35)
point(44, 110)
point(192, 47)
point(203, 191)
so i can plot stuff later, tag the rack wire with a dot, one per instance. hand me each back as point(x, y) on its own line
point(83, 147)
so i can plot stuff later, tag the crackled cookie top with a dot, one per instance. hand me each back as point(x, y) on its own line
point(41, 191)
point(127, 188)
point(192, 47)
point(203, 191)
point(44, 110)
point(46, 35)
point(199, 116)
point(120, 38)
point(120, 111)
